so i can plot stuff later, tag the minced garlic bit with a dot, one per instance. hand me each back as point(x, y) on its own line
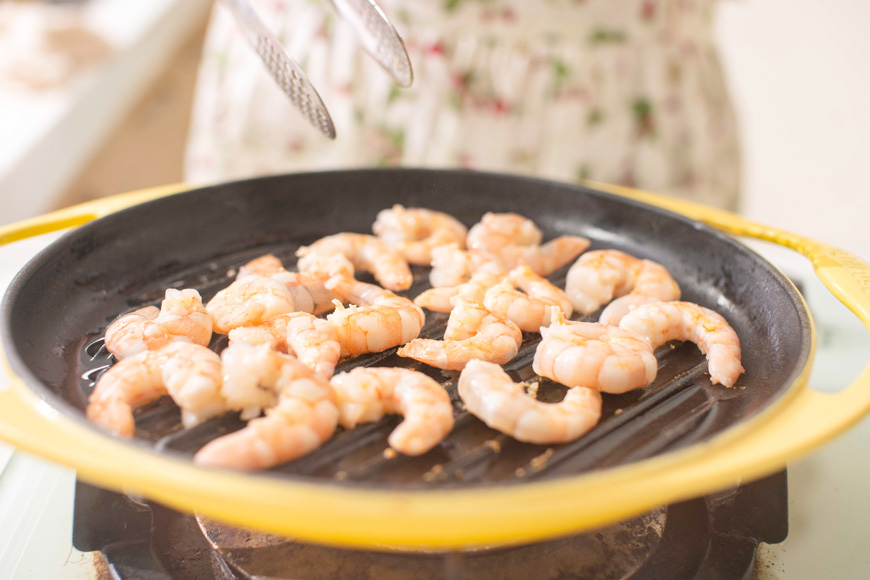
point(618, 412)
point(341, 475)
point(437, 472)
point(540, 462)
point(532, 389)
point(390, 453)
point(231, 273)
point(494, 445)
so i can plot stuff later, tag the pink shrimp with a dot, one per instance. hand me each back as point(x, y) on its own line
point(598, 277)
point(472, 332)
point(587, 354)
point(365, 252)
point(530, 310)
point(303, 418)
point(191, 374)
point(367, 394)
point(665, 321)
point(416, 231)
point(381, 320)
point(490, 395)
point(181, 318)
point(312, 340)
point(249, 300)
point(514, 240)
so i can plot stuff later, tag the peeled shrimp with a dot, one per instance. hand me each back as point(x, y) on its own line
point(249, 300)
point(587, 354)
point(598, 277)
point(366, 394)
point(452, 266)
point(665, 321)
point(515, 240)
point(376, 320)
point(416, 231)
point(490, 395)
point(441, 299)
point(303, 418)
point(312, 340)
point(181, 318)
point(365, 252)
point(530, 310)
point(191, 374)
point(308, 289)
point(472, 332)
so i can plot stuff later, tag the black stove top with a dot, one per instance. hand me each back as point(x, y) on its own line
point(711, 538)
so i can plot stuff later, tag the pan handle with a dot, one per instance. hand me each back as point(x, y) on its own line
point(846, 276)
point(77, 215)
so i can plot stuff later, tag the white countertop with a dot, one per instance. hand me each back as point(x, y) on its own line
point(829, 507)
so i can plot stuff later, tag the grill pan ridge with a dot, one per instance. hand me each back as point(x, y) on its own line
point(59, 305)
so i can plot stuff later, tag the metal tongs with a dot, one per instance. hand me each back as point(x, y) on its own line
point(378, 37)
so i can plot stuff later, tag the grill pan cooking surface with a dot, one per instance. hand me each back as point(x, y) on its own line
point(199, 239)
point(678, 438)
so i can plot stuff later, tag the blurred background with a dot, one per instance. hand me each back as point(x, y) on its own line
point(96, 96)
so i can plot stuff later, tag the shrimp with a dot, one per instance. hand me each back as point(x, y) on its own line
point(416, 231)
point(303, 418)
point(249, 300)
point(365, 394)
point(181, 318)
point(515, 240)
point(452, 266)
point(490, 395)
point(472, 332)
point(664, 321)
point(266, 265)
point(381, 320)
point(529, 311)
point(441, 299)
point(588, 354)
point(308, 289)
point(598, 277)
point(365, 252)
point(191, 374)
point(312, 340)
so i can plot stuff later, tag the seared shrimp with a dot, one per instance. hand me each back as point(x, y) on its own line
point(304, 417)
point(376, 320)
point(490, 395)
point(665, 321)
point(367, 394)
point(191, 374)
point(181, 318)
point(587, 354)
point(249, 300)
point(416, 231)
point(452, 266)
point(307, 288)
point(441, 299)
point(598, 277)
point(530, 310)
point(472, 332)
point(515, 240)
point(365, 252)
point(312, 340)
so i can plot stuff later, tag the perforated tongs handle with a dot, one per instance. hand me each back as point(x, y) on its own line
point(378, 37)
point(289, 76)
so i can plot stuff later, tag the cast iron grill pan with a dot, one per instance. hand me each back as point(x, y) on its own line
point(57, 310)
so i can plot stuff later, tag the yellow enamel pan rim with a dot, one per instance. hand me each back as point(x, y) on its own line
point(448, 520)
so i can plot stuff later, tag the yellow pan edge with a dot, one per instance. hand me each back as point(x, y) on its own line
point(341, 514)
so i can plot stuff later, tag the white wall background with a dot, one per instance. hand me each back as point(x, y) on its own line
point(800, 77)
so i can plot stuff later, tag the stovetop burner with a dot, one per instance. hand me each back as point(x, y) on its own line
point(712, 538)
